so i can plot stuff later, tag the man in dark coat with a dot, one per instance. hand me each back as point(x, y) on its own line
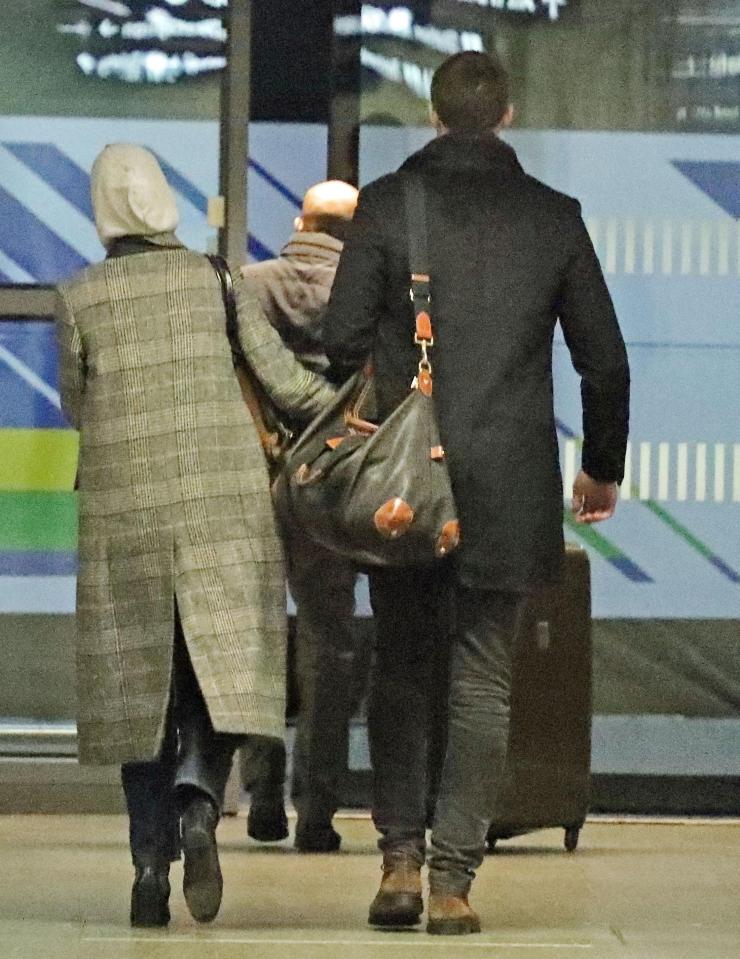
point(509, 257)
point(293, 290)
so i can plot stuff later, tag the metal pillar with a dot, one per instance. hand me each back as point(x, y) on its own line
point(343, 146)
point(234, 133)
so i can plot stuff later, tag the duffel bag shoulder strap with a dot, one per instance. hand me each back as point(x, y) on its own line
point(244, 374)
point(420, 281)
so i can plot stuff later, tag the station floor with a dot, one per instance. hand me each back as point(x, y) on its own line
point(632, 890)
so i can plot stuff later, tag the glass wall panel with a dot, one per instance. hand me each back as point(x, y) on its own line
point(77, 75)
point(73, 77)
point(631, 107)
point(38, 533)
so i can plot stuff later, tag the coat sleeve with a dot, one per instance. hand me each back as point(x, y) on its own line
point(288, 383)
point(598, 353)
point(358, 291)
point(71, 360)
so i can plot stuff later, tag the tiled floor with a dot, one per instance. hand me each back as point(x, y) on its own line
point(631, 891)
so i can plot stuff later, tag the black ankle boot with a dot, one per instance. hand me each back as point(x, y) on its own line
point(202, 883)
point(316, 837)
point(267, 821)
point(150, 894)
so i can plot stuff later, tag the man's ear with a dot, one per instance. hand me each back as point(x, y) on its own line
point(436, 122)
point(298, 224)
point(508, 118)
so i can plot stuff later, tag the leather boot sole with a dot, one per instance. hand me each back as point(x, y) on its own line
point(203, 883)
point(453, 927)
point(396, 909)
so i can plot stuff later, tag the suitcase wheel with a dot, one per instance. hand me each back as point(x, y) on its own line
point(571, 838)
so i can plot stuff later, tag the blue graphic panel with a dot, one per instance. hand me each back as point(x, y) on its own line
point(662, 213)
point(28, 350)
point(46, 218)
point(34, 246)
point(719, 180)
point(37, 563)
point(49, 163)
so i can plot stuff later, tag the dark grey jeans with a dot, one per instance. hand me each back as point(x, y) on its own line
point(193, 754)
point(419, 612)
point(323, 587)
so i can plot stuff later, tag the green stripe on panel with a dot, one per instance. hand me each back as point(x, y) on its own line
point(38, 521)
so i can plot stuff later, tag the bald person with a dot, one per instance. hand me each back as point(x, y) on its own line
point(294, 291)
point(294, 288)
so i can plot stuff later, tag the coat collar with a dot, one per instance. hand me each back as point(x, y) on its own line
point(465, 152)
point(314, 246)
point(126, 245)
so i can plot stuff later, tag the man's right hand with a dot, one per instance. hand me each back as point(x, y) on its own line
point(593, 501)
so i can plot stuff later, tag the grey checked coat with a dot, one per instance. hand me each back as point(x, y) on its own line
point(174, 499)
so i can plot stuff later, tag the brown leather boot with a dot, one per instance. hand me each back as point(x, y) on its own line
point(398, 902)
point(450, 915)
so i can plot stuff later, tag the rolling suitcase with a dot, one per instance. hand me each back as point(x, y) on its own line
point(547, 776)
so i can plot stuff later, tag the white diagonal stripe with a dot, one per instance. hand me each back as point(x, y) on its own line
point(30, 377)
point(682, 472)
point(666, 262)
point(592, 225)
point(686, 242)
point(712, 469)
point(51, 208)
point(648, 247)
point(630, 245)
point(701, 472)
point(705, 248)
point(723, 249)
point(663, 467)
point(719, 472)
point(626, 488)
point(644, 470)
point(570, 467)
point(611, 246)
point(16, 273)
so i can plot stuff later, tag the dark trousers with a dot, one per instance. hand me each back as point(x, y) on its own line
point(192, 755)
point(418, 613)
point(323, 587)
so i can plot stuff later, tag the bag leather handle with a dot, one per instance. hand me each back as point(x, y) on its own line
point(244, 373)
point(359, 425)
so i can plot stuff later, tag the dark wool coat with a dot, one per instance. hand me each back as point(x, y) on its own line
point(174, 498)
point(509, 257)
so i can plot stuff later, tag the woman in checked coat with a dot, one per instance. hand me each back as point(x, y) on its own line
point(181, 593)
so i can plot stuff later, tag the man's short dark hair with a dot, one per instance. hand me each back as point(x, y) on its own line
point(470, 92)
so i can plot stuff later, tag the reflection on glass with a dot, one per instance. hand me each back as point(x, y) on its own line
point(113, 58)
point(575, 64)
point(631, 107)
point(76, 75)
point(144, 42)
